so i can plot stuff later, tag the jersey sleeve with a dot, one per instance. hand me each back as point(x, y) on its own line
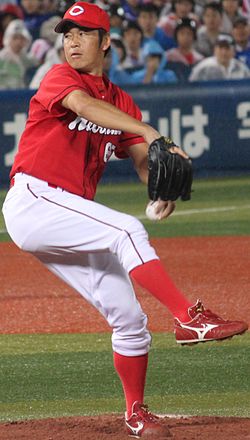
point(128, 139)
point(57, 84)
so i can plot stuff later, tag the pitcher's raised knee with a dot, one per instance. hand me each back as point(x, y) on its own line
point(132, 245)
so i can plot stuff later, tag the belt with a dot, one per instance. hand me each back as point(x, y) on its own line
point(12, 183)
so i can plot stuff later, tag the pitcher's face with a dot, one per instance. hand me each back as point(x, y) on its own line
point(83, 50)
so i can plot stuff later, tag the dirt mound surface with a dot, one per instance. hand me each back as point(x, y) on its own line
point(215, 269)
point(112, 428)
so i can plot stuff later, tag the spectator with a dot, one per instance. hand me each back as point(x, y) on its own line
point(130, 8)
point(49, 6)
point(54, 56)
point(8, 12)
point(47, 29)
point(34, 16)
point(14, 57)
point(39, 49)
point(114, 58)
point(222, 65)
point(63, 5)
point(147, 20)
point(246, 8)
point(118, 45)
point(117, 16)
point(160, 4)
point(132, 38)
point(199, 8)
point(241, 34)
point(185, 35)
point(154, 70)
point(209, 31)
point(180, 9)
point(43, 44)
point(165, 8)
point(231, 10)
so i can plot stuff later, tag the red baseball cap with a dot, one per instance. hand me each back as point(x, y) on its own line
point(13, 10)
point(86, 15)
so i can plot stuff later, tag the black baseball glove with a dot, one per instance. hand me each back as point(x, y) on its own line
point(170, 175)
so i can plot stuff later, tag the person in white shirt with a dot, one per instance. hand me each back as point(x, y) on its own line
point(231, 10)
point(15, 59)
point(211, 28)
point(54, 56)
point(223, 65)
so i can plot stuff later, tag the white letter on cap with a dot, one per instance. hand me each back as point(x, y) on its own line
point(76, 10)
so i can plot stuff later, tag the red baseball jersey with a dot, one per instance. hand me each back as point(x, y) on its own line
point(64, 149)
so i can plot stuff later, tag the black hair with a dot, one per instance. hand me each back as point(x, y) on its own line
point(240, 20)
point(216, 6)
point(185, 23)
point(132, 25)
point(118, 43)
point(149, 8)
point(116, 10)
point(178, 1)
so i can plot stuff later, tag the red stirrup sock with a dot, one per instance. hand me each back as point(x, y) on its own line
point(153, 277)
point(132, 372)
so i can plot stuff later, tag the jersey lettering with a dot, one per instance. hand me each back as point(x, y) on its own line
point(83, 124)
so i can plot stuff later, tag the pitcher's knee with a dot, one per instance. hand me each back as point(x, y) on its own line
point(132, 245)
point(132, 339)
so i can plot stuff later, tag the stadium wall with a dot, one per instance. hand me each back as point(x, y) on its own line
point(211, 121)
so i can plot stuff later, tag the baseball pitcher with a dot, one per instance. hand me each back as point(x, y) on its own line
point(77, 120)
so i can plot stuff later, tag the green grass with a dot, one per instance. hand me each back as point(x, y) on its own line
point(72, 374)
point(229, 199)
point(63, 375)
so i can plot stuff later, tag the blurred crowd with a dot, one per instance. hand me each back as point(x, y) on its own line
point(152, 41)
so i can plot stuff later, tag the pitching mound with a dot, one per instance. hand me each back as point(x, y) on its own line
point(35, 301)
point(214, 269)
point(112, 428)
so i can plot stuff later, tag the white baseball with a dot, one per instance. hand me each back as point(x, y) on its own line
point(151, 211)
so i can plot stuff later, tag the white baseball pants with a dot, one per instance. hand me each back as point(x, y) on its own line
point(89, 246)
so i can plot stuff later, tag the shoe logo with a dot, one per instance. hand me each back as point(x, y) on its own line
point(135, 430)
point(201, 332)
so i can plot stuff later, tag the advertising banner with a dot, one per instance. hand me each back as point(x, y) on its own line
point(211, 121)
